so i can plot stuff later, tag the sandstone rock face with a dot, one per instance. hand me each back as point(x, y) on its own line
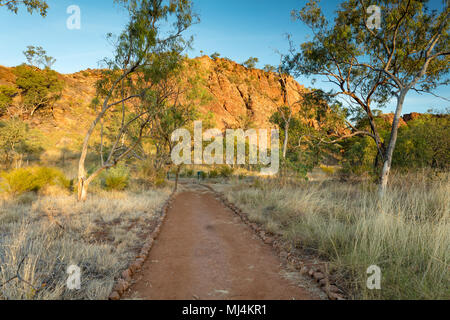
point(389, 117)
point(236, 93)
point(411, 116)
point(239, 92)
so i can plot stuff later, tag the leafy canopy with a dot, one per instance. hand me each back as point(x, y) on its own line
point(37, 57)
point(251, 62)
point(409, 51)
point(31, 6)
point(38, 88)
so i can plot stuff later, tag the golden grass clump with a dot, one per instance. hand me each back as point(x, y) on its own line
point(50, 233)
point(406, 234)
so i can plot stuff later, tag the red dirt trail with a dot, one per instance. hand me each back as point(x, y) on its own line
point(204, 251)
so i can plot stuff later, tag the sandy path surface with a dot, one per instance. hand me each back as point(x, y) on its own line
point(204, 251)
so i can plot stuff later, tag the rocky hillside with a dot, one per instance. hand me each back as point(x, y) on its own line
point(237, 92)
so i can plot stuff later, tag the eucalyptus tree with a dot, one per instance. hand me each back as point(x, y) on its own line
point(371, 64)
point(146, 53)
point(30, 5)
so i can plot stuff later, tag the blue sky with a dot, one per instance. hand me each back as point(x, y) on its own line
point(237, 29)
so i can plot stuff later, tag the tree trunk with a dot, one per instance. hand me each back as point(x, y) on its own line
point(390, 149)
point(176, 178)
point(82, 189)
point(286, 138)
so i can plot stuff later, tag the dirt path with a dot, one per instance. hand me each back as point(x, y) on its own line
point(205, 252)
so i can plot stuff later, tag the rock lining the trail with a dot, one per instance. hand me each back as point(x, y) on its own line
point(317, 271)
point(123, 283)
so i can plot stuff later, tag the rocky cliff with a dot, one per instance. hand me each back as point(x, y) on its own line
point(237, 92)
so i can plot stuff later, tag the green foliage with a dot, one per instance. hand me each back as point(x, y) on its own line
point(359, 155)
point(6, 97)
point(328, 170)
point(22, 180)
point(213, 174)
point(38, 88)
point(13, 139)
point(424, 142)
point(138, 86)
point(202, 175)
point(160, 180)
point(370, 66)
point(346, 45)
point(250, 62)
point(116, 178)
point(37, 57)
point(31, 6)
point(225, 171)
point(269, 68)
point(317, 120)
point(215, 55)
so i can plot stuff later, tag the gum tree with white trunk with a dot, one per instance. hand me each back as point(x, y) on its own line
point(146, 53)
point(372, 65)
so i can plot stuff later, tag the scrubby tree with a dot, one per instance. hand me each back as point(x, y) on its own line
point(30, 5)
point(215, 55)
point(17, 140)
point(39, 89)
point(424, 142)
point(7, 94)
point(408, 52)
point(37, 57)
point(250, 62)
point(269, 68)
point(146, 53)
point(285, 106)
point(315, 121)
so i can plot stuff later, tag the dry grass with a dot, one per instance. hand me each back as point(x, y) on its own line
point(407, 234)
point(50, 233)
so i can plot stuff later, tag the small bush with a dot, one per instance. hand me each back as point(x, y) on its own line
point(29, 179)
point(160, 179)
point(116, 178)
point(6, 97)
point(38, 88)
point(202, 175)
point(328, 170)
point(225, 171)
point(213, 174)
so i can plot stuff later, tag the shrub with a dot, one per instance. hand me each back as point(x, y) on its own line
point(327, 170)
point(202, 175)
point(22, 180)
point(250, 63)
point(13, 133)
point(213, 174)
point(38, 88)
point(116, 178)
point(225, 171)
point(6, 97)
point(346, 224)
point(160, 181)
